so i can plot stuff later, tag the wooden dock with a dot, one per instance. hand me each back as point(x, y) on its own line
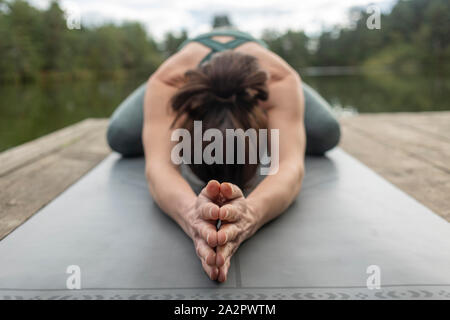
point(33, 174)
point(411, 150)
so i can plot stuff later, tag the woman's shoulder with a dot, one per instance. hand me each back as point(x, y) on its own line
point(276, 66)
point(172, 70)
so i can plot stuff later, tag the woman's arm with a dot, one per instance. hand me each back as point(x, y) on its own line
point(244, 216)
point(167, 187)
point(194, 214)
point(286, 108)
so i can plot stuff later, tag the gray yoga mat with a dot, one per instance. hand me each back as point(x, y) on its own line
point(345, 219)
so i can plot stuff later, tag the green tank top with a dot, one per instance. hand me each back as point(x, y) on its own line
point(240, 37)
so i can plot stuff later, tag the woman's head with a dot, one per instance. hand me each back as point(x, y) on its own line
point(223, 93)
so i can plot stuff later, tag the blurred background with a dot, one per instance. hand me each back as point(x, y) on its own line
point(62, 61)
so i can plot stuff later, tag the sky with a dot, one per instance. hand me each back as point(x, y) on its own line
point(160, 16)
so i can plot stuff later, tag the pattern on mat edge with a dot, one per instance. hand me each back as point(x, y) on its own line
point(358, 295)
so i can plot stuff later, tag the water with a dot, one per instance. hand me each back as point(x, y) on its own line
point(30, 111)
point(384, 92)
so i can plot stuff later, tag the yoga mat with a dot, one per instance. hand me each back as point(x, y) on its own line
point(345, 219)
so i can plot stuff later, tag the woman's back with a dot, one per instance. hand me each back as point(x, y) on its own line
point(124, 132)
point(200, 49)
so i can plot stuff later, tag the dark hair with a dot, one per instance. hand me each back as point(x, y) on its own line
point(223, 93)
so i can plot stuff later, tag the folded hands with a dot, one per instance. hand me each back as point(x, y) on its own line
point(215, 247)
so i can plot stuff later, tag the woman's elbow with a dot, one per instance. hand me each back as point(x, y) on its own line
point(295, 173)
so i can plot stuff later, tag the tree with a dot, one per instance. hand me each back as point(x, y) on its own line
point(172, 42)
point(221, 21)
point(55, 54)
point(292, 46)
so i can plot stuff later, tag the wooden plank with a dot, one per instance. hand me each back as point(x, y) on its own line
point(436, 124)
point(19, 156)
point(417, 176)
point(28, 188)
point(429, 148)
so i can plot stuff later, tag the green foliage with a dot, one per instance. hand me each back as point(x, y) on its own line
point(37, 44)
point(292, 46)
point(399, 58)
point(21, 43)
point(171, 42)
point(414, 36)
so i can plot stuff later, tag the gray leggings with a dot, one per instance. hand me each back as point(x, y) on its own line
point(125, 127)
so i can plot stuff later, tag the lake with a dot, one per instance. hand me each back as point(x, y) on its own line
point(30, 111)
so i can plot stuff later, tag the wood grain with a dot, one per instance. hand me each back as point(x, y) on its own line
point(39, 171)
point(411, 150)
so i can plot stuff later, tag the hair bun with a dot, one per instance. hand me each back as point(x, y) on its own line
point(230, 79)
point(235, 76)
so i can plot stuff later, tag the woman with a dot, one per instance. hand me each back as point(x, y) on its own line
point(228, 80)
